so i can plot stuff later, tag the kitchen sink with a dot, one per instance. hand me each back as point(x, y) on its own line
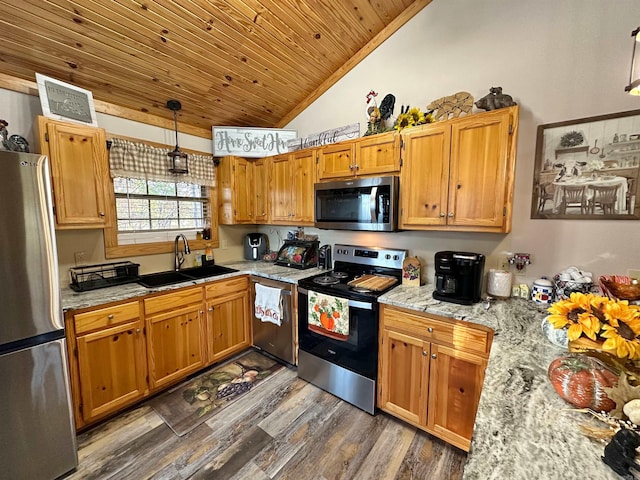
point(161, 279)
point(207, 271)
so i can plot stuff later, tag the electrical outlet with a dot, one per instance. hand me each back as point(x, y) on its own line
point(634, 273)
point(79, 257)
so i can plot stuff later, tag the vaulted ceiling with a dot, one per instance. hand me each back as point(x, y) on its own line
point(229, 62)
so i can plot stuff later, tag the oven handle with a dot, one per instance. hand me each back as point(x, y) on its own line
point(352, 303)
point(373, 202)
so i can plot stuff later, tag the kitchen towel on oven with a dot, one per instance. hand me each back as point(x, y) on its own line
point(268, 304)
point(329, 315)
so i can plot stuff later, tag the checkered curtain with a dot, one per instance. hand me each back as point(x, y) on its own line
point(136, 160)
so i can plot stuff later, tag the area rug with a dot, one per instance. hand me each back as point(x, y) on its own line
point(190, 404)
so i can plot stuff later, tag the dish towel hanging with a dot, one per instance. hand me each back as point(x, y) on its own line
point(328, 315)
point(268, 304)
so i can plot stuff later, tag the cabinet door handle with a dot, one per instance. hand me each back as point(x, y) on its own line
point(356, 166)
point(430, 329)
point(441, 214)
point(138, 330)
point(211, 309)
point(201, 312)
point(110, 316)
point(434, 356)
point(424, 353)
point(350, 167)
point(101, 214)
point(450, 214)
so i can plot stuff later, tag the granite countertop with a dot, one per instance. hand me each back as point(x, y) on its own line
point(523, 429)
point(72, 300)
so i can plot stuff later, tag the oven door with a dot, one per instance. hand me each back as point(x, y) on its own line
point(362, 204)
point(359, 352)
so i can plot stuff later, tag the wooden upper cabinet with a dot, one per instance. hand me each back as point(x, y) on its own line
point(424, 178)
point(378, 154)
point(459, 174)
point(303, 169)
point(281, 192)
point(261, 189)
point(336, 161)
point(373, 155)
point(242, 186)
point(479, 170)
point(292, 179)
point(79, 172)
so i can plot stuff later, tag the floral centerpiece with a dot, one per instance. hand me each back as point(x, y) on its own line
point(599, 323)
point(412, 117)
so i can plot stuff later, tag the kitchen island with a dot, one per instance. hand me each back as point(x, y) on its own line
point(523, 429)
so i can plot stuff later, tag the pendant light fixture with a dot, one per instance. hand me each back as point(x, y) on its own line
point(634, 75)
point(179, 163)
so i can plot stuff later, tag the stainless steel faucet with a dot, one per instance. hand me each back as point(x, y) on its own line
point(178, 254)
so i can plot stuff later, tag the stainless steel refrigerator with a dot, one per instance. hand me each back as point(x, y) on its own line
point(37, 436)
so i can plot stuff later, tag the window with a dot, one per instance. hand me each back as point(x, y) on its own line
point(150, 210)
point(148, 205)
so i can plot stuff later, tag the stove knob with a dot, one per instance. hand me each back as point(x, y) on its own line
point(387, 256)
point(396, 257)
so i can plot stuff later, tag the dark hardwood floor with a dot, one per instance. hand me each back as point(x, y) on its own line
point(284, 429)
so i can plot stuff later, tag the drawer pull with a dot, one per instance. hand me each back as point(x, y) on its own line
point(430, 329)
point(110, 316)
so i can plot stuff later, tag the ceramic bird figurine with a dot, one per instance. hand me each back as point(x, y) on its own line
point(386, 106)
point(13, 143)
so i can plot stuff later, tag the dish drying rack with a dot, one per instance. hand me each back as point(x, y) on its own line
point(92, 277)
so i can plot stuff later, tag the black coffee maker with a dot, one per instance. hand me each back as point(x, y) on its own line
point(458, 277)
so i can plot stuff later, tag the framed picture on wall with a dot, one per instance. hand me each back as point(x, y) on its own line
point(63, 101)
point(587, 169)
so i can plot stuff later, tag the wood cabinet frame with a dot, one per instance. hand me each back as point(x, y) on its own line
point(431, 371)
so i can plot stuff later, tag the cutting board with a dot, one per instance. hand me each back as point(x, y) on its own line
point(373, 282)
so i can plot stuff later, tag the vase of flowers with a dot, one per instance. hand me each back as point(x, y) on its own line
point(594, 322)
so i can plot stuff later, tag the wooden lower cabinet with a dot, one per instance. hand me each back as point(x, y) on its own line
point(110, 368)
point(121, 353)
point(175, 345)
point(227, 306)
point(431, 372)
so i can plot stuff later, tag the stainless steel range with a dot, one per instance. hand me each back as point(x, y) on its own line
point(338, 322)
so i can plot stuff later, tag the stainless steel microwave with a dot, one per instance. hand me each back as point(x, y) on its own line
point(358, 204)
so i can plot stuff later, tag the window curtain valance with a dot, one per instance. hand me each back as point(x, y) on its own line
point(137, 160)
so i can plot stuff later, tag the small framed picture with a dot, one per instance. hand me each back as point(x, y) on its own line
point(63, 101)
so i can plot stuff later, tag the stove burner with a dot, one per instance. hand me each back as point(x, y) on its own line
point(339, 274)
point(326, 280)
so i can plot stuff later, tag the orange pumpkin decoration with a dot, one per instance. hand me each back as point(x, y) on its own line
point(580, 380)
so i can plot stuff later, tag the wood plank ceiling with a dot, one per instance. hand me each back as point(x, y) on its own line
point(229, 62)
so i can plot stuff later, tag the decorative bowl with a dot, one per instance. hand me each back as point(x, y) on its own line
point(620, 287)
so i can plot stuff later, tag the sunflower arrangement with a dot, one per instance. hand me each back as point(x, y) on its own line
point(411, 117)
point(612, 323)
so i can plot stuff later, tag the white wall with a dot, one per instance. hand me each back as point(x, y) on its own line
point(559, 60)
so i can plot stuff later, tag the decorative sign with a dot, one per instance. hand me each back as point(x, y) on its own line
point(325, 138)
point(250, 142)
point(63, 101)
